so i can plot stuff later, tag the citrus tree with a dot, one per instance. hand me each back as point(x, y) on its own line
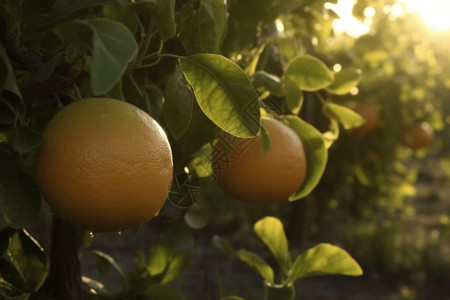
point(105, 104)
point(404, 94)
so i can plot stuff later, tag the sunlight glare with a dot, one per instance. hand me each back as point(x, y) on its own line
point(433, 12)
point(347, 22)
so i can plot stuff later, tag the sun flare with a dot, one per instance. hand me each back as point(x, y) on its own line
point(433, 12)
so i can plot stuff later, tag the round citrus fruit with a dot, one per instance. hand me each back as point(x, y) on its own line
point(370, 113)
point(104, 165)
point(249, 174)
point(418, 137)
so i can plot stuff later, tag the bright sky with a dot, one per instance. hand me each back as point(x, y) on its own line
point(435, 13)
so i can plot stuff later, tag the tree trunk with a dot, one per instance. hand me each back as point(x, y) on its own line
point(65, 276)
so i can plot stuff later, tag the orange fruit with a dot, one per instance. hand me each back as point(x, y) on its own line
point(247, 173)
point(104, 165)
point(418, 137)
point(370, 113)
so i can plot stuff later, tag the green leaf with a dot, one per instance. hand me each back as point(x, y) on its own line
point(146, 96)
point(94, 287)
point(25, 139)
point(10, 83)
point(12, 285)
point(182, 248)
point(64, 8)
point(29, 259)
point(113, 47)
point(220, 11)
point(294, 95)
point(105, 262)
point(224, 93)
point(159, 257)
point(257, 263)
point(344, 115)
point(197, 28)
point(250, 69)
point(332, 134)
point(309, 73)
point(324, 259)
point(152, 102)
point(123, 14)
point(46, 70)
point(264, 137)
point(162, 292)
point(269, 81)
point(5, 234)
point(271, 232)
point(20, 201)
point(201, 165)
point(315, 151)
point(179, 104)
point(201, 132)
point(223, 245)
point(176, 266)
point(344, 81)
point(165, 18)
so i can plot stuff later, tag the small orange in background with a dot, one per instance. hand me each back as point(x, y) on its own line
point(418, 137)
point(104, 165)
point(370, 113)
point(247, 173)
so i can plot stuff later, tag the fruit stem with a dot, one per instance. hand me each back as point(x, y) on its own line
point(278, 292)
point(65, 275)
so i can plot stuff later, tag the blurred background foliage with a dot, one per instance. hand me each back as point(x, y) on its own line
point(385, 203)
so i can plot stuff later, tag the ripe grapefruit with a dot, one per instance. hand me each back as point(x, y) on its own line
point(104, 165)
point(419, 136)
point(370, 113)
point(247, 173)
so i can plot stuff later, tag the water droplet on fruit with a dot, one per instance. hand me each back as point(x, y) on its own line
point(120, 232)
point(91, 234)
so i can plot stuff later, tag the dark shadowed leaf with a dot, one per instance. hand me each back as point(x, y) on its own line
point(166, 18)
point(113, 47)
point(9, 83)
point(177, 110)
point(220, 11)
point(269, 81)
point(105, 262)
point(197, 28)
point(223, 245)
point(29, 259)
point(64, 8)
point(19, 197)
point(257, 263)
point(25, 139)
